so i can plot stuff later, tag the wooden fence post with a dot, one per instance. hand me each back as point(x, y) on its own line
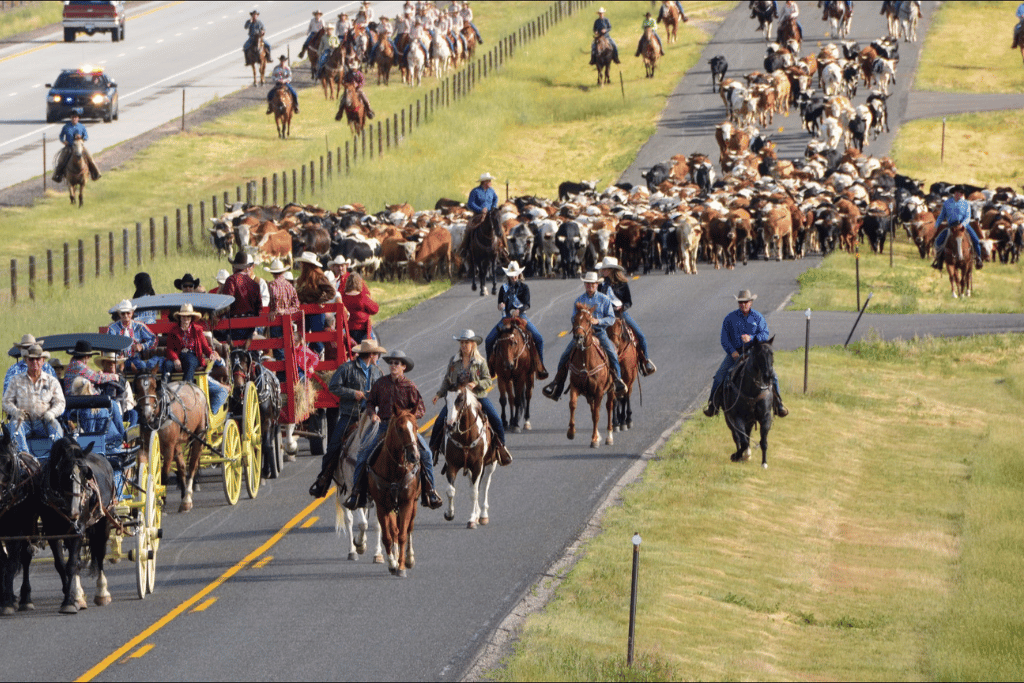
point(14, 279)
point(264, 190)
point(138, 244)
point(81, 262)
point(202, 216)
point(322, 172)
point(295, 185)
point(330, 169)
point(166, 234)
point(213, 207)
point(32, 277)
point(124, 248)
point(152, 238)
point(191, 226)
point(96, 245)
point(387, 130)
point(67, 265)
point(110, 251)
point(403, 119)
point(49, 267)
point(177, 229)
point(362, 135)
point(274, 189)
point(348, 168)
point(380, 141)
point(238, 192)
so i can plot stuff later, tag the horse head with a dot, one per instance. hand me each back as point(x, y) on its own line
point(402, 435)
point(763, 359)
point(240, 367)
point(78, 147)
point(582, 325)
point(150, 399)
point(67, 476)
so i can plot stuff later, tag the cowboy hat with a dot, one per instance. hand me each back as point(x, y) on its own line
point(125, 306)
point(468, 335)
point(591, 278)
point(222, 276)
point(108, 356)
point(255, 11)
point(82, 348)
point(28, 340)
point(241, 261)
point(186, 280)
point(340, 260)
point(316, 12)
point(56, 364)
point(601, 10)
point(310, 258)
point(282, 58)
point(745, 295)
point(609, 262)
point(368, 346)
point(485, 177)
point(514, 269)
point(276, 267)
point(186, 311)
point(330, 27)
point(400, 357)
point(289, 275)
point(36, 351)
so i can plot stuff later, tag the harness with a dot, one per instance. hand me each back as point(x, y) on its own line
point(583, 346)
point(24, 468)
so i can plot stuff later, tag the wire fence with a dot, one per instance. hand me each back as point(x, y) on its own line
point(75, 262)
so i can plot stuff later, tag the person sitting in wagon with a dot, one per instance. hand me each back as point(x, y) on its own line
point(33, 401)
point(188, 349)
point(79, 367)
point(108, 362)
point(108, 421)
point(142, 339)
point(21, 367)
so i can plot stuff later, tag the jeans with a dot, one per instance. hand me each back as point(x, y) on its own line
point(248, 44)
point(34, 429)
point(426, 457)
point(606, 343)
point(492, 417)
point(295, 95)
point(940, 240)
point(374, 46)
point(337, 440)
point(641, 340)
point(189, 363)
point(315, 322)
point(723, 372)
point(101, 420)
point(538, 340)
point(615, 50)
point(136, 364)
point(218, 394)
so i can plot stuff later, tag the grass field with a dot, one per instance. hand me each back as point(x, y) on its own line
point(879, 545)
point(968, 50)
point(30, 17)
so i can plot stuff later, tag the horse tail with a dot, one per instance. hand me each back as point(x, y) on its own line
point(339, 514)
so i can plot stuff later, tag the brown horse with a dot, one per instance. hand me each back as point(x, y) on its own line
point(840, 20)
point(314, 53)
point(790, 30)
point(385, 61)
point(514, 365)
point(469, 35)
point(395, 488)
point(651, 52)
point(958, 257)
point(468, 446)
point(283, 107)
point(603, 59)
point(351, 106)
point(1018, 39)
point(669, 15)
point(589, 373)
point(620, 409)
point(256, 56)
point(76, 172)
point(178, 412)
point(330, 74)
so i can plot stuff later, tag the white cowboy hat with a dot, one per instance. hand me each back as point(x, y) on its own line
point(591, 278)
point(186, 311)
point(340, 260)
point(368, 346)
point(289, 276)
point(36, 351)
point(125, 306)
point(601, 10)
point(468, 335)
point(745, 295)
point(28, 340)
point(108, 355)
point(514, 269)
point(330, 27)
point(316, 12)
point(609, 262)
point(310, 258)
point(222, 276)
point(276, 267)
point(486, 176)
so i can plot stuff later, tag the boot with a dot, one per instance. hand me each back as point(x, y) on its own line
point(268, 109)
point(94, 171)
point(538, 362)
point(429, 497)
point(712, 408)
point(620, 386)
point(779, 409)
point(358, 498)
point(320, 486)
point(436, 441)
point(295, 106)
point(504, 457)
point(649, 368)
point(554, 390)
point(369, 113)
point(937, 263)
point(978, 262)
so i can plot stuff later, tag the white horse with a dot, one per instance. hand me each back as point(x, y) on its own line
point(345, 518)
point(440, 55)
point(475, 447)
point(417, 61)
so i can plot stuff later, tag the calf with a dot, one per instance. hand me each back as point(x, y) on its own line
point(719, 67)
point(569, 189)
point(858, 132)
point(570, 241)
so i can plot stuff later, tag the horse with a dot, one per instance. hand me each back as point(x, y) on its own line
point(354, 523)
point(1018, 39)
point(766, 13)
point(385, 60)
point(469, 36)
point(651, 52)
point(513, 363)
point(76, 494)
point(958, 257)
point(18, 512)
point(314, 52)
point(620, 408)
point(76, 171)
point(351, 106)
point(246, 367)
point(789, 30)
point(469, 448)
point(603, 59)
point(179, 413)
point(330, 74)
point(840, 20)
point(416, 62)
point(589, 373)
point(283, 107)
point(669, 15)
point(908, 15)
point(747, 399)
point(484, 246)
point(256, 56)
point(395, 487)
point(440, 55)
point(890, 9)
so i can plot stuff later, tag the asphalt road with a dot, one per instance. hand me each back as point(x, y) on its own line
point(263, 591)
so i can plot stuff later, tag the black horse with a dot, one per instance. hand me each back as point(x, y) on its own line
point(766, 12)
point(485, 246)
point(604, 53)
point(18, 480)
point(76, 492)
point(246, 367)
point(747, 399)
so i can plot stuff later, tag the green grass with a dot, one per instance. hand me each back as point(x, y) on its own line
point(882, 543)
point(911, 286)
point(30, 17)
point(968, 50)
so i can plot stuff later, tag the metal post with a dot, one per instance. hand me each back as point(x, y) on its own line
point(855, 322)
point(44, 162)
point(632, 597)
point(942, 154)
point(857, 262)
point(807, 346)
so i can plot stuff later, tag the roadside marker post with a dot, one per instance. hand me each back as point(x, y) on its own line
point(807, 346)
point(632, 597)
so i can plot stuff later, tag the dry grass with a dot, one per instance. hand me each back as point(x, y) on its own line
point(34, 15)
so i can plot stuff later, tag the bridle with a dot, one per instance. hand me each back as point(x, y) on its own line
point(156, 404)
point(460, 435)
point(515, 334)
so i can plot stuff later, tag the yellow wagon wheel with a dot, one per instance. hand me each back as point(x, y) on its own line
point(232, 454)
point(156, 492)
point(252, 440)
point(145, 554)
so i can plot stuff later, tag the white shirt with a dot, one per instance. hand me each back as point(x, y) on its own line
point(315, 24)
point(789, 10)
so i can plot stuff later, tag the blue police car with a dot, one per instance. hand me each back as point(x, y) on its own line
point(88, 91)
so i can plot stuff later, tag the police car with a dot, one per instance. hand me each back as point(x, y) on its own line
point(87, 91)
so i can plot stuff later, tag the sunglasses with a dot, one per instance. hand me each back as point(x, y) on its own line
point(395, 362)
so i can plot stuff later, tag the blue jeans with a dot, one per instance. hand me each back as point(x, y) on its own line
point(97, 420)
point(723, 372)
point(641, 340)
point(34, 429)
point(218, 394)
point(538, 340)
point(248, 44)
point(615, 50)
point(295, 95)
point(679, 6)
point(940, 240)
point(136, 364)
point(374, 46)
point(606, 344)
point(315, 322)
point(426, 457)
point(492, 417)
point(189, 363)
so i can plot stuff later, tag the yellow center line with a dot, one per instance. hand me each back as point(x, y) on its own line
point(206, 603)
point(214, 585)
point(563, 333)
point(264, 561)
point(308, 523)
point(141, 652)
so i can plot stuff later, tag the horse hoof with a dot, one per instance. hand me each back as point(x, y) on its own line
point(400, 574)
point(378, 559)
point(470, 525)
point(764, 465)
point(26, 607)
point(68, 609)
point(449, 516)
point(8, 611)
point(735, 457)
point(393, 570)
point(102, 600)
point(484, 521)
point(184, 507)
point(526, 426)
point(746, 455)
point(595, 444)
point(360, 548)
point(609, 441)
point(570, 435)
point(196, 487)
point(353, 557)
point(517, 430)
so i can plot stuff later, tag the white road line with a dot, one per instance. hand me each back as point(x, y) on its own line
point(160, 40)
point(12, 94)
point(37, 85)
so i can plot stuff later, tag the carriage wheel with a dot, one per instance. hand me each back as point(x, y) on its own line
point(156, 491)
point(252, 440)
point(148, 529)
point(232, 451)
point(273, 453)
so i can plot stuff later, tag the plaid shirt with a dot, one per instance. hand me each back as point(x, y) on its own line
point(386, 395)
point(20, 368)
point(79, 368)
point(283, 299)
point(246, 293)
point(35, 397)
point(138, 333)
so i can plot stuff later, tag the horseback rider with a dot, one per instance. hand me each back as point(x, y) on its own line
point(343, 27)
point(33, 401)
point(68, 133)
point(316, 24)
point(328, 43)
point(467, 20)
point(648, 24)
point(469, 368)
point(384, 32)
point(955, 211)
point(351, 382)
point(679, 6)
point(416, 35)
point(739, 328)
point(847, 9)
point(513, 302)
point(282, 75)
point(1020, 20)
point(616, 288)
point(603, 27)
point(256, 29)
point(482, 198)
point(390, 393)
point(774, 12)
point(602, 317)
point(356, 78)
point(791, 10)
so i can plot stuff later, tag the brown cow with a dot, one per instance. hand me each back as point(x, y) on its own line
point(739, 223)
point(433, 253)
point(395, 254)
point(849, 228)
point(720, 239)
point(778, 230)
point(275, 244)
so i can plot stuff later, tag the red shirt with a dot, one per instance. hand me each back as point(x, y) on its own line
point(360, 307)
point(246, 292)
point(179, 341)
point(387, 395)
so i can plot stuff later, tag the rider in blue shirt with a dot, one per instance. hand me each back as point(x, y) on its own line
point(255, 27)
point(739, 328)
point(483, 198)
point(603, 317)
point(955, 211)
point(603, 27)
point(514, 301)
point(68, 133)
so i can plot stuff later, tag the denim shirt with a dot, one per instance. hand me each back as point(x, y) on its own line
point(735, 325)
point(604, 311)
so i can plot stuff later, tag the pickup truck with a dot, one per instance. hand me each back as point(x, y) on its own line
point(93, 17)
